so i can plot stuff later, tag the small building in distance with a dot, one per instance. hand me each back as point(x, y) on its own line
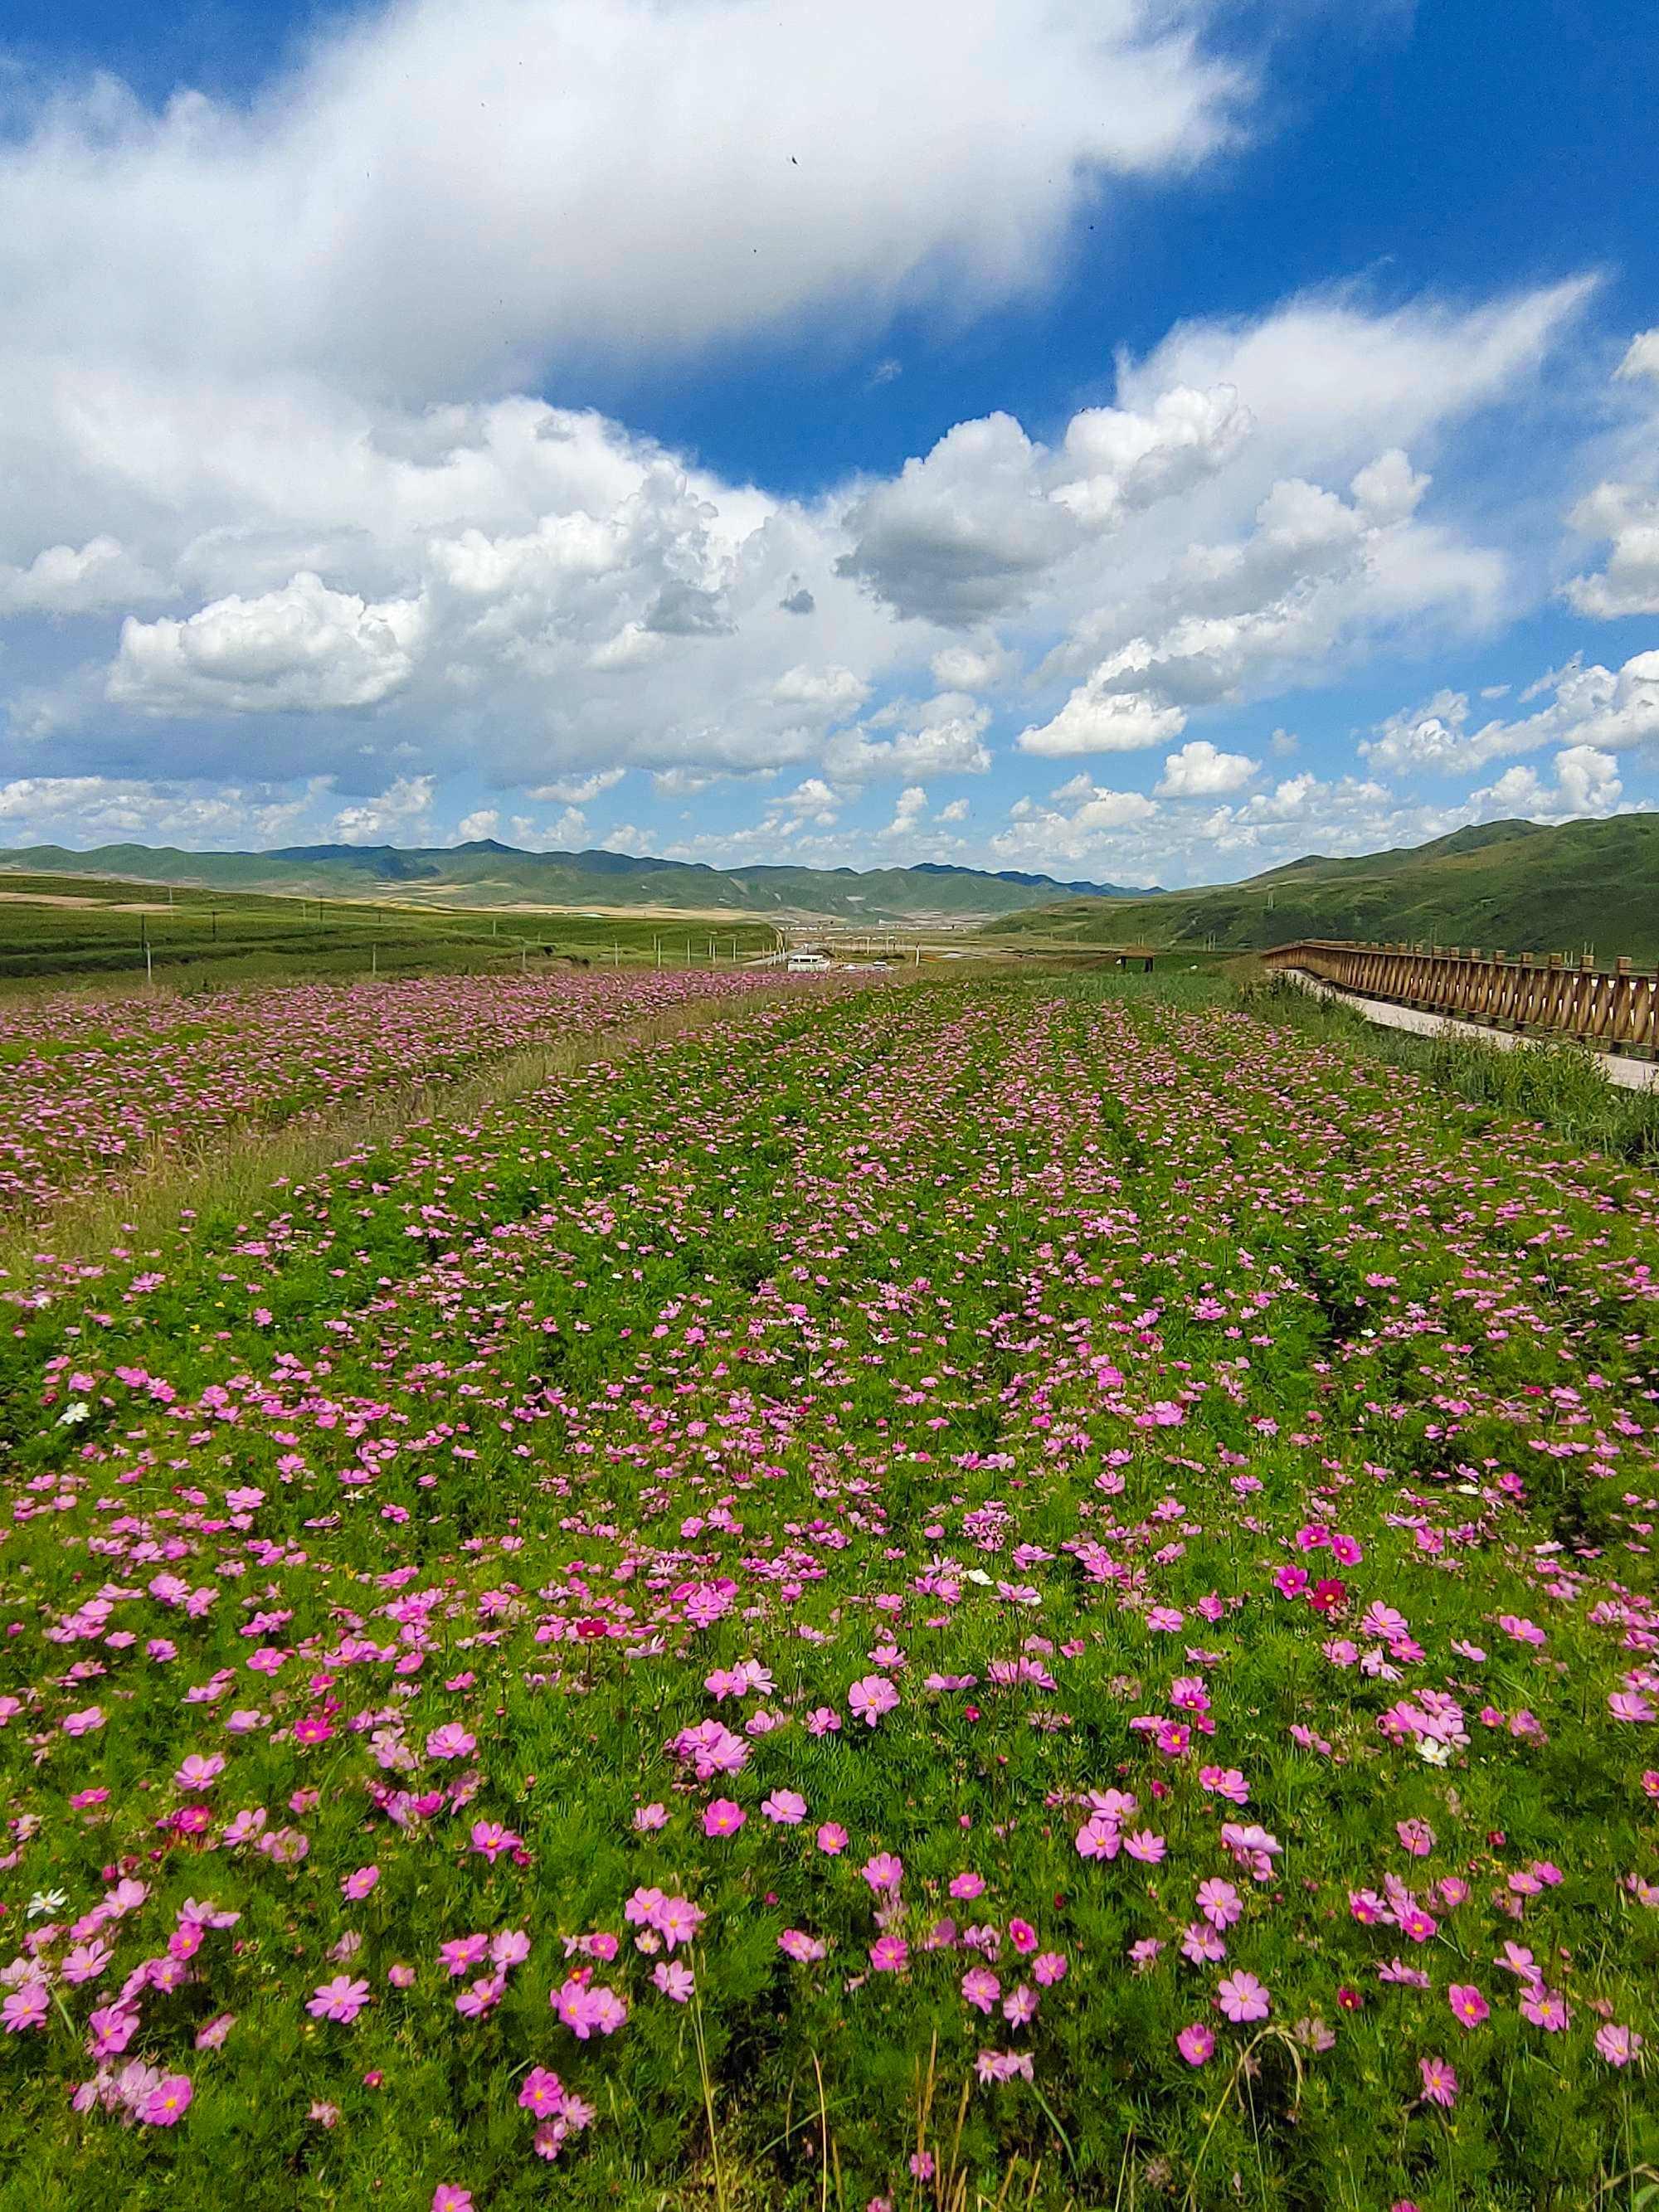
point(809, 960)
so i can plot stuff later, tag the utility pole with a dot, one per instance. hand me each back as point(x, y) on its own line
point(658, 949)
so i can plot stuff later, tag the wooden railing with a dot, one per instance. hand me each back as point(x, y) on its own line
point(1616, 1010)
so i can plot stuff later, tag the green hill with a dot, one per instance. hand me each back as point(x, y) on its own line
point(487, 874)
point(1512, 884)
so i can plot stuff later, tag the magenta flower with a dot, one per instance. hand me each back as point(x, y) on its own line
point(26, 2007)
point(1618, 2045)
point(448, 2196)
point(889, 1954)
point(674, 1980)
point(965, 1886)
point(804, 1949)
point(1468, 2004)
point(1439, 2082)
point(451, 1740)
point(831, 1839)
point(1544, 2008)
point(541, 2092)
point(342, 1999)
point(677, 1920)
point(168, 2102)
point(1196, 2043)
point(870, 1697)
point(1218, 1902)
point(723, 1818)
point(980, 1988)
point(787, 1806)
point(882, 1872)
point(1242, 1998)
point(357, 1885)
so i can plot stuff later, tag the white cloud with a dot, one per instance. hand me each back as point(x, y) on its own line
point(401, 813)
point(1097, 720)
point(1043, 837)
point(1199, 771)
point(1586, 784)
point(483, 823)
point(436, 196)
point(67, 580)
point(1594, 707)
point(942, 736)
point(302, 648)
point(1641, 357)
point(579, 790)
point(979, 666)
point(1628, 517)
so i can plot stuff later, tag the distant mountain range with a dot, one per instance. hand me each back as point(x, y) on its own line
point(485, 873)
point(1515, 885)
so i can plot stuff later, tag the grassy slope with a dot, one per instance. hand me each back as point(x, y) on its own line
point(486, 874)
point(208, 937)
point(1513, 884)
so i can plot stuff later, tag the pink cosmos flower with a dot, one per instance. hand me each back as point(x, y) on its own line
point(964, 1887)
point(677, 1920)
point(675, 1981)
point(588, 2010)
point(84, 1723)
point(1439, 2082)
point(449, 2196)
point(168, 2102)
point(1468, 2004)
point(870, 1697)
point(451, 1740)
point(831, 1839)
point(723, 1818)
point(1099, 1837)
point(980, 1988)
point(1218, 1902)
point(1623, 1704)
point(357, 1885)
point(1416, 1836)
point(647, 1817)
point(1196, 2043)
point(1618, 2045)
point(785, 1806)
point(26, 2007)
point(1144, 1845)
point(882, 1871)
point(198, 1773)
point(804, 1949)
point(213, 2035)
point(1050, 1968)
point(342, 1999)
point(889, 1954)
point(1242, 1998)
point(1544, 2008)
point(541, 2092)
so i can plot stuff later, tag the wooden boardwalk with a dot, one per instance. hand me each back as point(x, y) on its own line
point(1552, 993)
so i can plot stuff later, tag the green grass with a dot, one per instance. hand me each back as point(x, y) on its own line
point(1509, 884)
point(198, 940)
point(1561, 1086)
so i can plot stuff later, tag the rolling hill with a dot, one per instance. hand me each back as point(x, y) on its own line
point(486, 875)
point(1519, 886)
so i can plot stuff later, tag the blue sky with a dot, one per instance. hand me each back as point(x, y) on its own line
point(1136, 442)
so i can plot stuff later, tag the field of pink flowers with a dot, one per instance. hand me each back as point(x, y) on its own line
point(1006, 1593)
point(89, 1086)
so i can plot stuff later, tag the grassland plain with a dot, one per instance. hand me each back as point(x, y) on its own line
point(1013, 1593)
point(57, 929)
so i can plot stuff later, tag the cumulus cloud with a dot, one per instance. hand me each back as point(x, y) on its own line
point(1586, 783)
point(941, 736)
point(304, 648)
point(1095, 720)
point(1590, 708)
point(1627, 516)
point(1200, 771)
point(69, 579)
point(403, 812)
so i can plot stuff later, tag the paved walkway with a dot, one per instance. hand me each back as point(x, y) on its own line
point(1630, 1074)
